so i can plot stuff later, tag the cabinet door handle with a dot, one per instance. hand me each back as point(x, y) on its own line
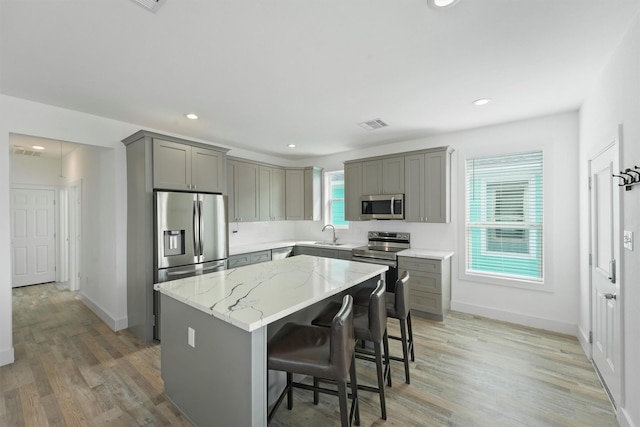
point(610, 296)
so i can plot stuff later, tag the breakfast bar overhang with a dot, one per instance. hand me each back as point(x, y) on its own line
point(215, 329)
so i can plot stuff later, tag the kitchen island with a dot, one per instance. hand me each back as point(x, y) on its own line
point(216, 327)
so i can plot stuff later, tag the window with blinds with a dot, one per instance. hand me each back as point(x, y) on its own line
point(334, 182)
point(504, 216)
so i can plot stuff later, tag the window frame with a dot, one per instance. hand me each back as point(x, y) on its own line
point(505, 279)
point(328, 200)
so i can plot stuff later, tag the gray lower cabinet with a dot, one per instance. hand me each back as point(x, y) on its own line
point(323, 252)
point(429, 285)
point(240, 260)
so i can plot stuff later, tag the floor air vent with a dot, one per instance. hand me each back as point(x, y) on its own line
point(373, 124)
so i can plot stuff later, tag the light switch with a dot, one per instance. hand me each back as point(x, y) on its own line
point(191, 337)
point(627, 240)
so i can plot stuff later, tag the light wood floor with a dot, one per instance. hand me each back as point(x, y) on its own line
point(72, 370)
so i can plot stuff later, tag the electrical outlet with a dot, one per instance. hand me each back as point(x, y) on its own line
point(627, 240)
point(191, 340)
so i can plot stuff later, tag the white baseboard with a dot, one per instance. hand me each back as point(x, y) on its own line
point(583, 337)
point(113, 323)
point(7, 357)
point(624, 419)
point(520, 319)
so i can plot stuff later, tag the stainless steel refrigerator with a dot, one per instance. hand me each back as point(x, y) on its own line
point(191, 238)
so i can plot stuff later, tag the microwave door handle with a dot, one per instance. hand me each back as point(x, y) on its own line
point(393, 213)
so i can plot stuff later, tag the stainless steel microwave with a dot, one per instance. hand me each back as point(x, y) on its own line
point(382, 206)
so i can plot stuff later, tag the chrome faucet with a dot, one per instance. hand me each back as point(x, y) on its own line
point(335, 239)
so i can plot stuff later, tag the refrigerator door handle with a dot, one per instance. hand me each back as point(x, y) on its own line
point(196, 229)
point(201, 228)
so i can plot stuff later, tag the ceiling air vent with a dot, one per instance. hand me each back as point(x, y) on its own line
point(152, 5)
point(373, 124)
point(21, 151)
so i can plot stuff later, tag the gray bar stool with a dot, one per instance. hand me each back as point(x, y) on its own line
point(370, 324)
point(318, 352)
point(397, 308)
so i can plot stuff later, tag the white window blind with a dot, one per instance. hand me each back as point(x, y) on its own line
point(504, 216)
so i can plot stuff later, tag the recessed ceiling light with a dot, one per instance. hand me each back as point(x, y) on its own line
point(37, 147)
point(191, 116)
point(481, 101)
point(291, 145)
point(442, 3)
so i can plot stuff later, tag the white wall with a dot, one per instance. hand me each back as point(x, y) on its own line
point(35, 170)
point(557, 135)
point(614, 100)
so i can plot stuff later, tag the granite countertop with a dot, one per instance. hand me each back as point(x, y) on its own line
point(253, 296)
point(426, 253)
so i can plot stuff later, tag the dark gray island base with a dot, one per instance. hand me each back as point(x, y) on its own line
point(222, 379)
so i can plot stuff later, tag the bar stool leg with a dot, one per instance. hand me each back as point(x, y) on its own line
point(405, 350)
point(354, 390)
point(342, 398)
point(290, 391)
point(387, 369)
point(380, 369)
point(316, 395)
point(413, 355)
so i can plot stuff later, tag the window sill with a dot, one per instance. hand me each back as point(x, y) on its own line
point(508, 281)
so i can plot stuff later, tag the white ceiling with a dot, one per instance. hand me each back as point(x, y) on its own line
point(262, 74)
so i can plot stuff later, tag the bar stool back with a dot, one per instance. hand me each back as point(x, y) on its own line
point(398, 308)
point(318, 352)
point(370, 324)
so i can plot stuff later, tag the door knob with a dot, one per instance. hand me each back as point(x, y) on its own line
point(611, 296)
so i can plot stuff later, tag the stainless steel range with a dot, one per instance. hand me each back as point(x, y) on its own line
point(382, 248)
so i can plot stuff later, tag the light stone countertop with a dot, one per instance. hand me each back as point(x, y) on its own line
point(256, 295)
point(426, 253)
point(245, 249)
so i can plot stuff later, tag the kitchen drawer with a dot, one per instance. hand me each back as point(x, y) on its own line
point(426, 282)
point(305, 250)
point(342, 254)
point(328, 253)
point(262, 256)
point(239, 260)
point(425, 301)
point(420, 264)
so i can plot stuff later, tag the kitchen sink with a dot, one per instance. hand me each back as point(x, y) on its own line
point(328, 243)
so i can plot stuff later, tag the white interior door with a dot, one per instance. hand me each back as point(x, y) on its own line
point(33, 236)
point(605, 252)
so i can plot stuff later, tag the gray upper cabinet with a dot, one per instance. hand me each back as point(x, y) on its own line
point(393, 175)
point(244, 203)
point(303, 196)
point(427, 186)
point(372, 177)
point(313, 194)
point(352, 191)
point(179, 166)
point(422, 176)
point(272, 194)
point(294, 180)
